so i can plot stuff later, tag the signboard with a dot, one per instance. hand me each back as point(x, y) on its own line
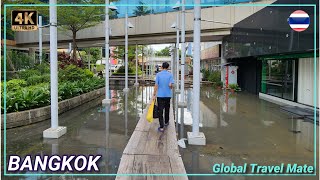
point(24, 20)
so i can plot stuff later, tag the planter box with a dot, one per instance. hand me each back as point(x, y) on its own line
point(23, 118)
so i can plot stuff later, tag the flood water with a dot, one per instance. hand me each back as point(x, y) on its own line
point(239, 127)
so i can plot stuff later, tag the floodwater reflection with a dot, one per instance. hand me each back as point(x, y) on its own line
point(240, 127)
point(91, 129)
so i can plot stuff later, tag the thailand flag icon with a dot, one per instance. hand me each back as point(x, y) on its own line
point(299, 20)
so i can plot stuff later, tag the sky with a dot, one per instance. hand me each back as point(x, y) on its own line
point(158, 47)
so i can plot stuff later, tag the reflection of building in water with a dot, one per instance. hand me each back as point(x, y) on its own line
point(208, 118)
point(114, 100)
point(304, 133)
point(229, 102)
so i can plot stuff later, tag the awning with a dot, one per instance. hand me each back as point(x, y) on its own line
point(289, 56)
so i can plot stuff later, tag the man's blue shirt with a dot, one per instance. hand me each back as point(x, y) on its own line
point(163, 79)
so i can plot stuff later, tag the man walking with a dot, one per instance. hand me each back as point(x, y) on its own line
point(162, 91)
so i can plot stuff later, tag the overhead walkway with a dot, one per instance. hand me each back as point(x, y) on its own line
point(152, 29)
point(151, 152)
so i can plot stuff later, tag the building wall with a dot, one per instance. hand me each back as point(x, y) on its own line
point(268, 32)
point(306, 81)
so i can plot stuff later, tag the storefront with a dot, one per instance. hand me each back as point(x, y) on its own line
point(289, 78)
point(275, 62)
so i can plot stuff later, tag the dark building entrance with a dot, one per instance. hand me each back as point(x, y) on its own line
point(249, 73)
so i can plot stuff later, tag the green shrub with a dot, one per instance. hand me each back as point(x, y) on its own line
point(33, 80)
point(71, 89)
point(88, 73)
point(131, 69)
point(28, 98)
point(215, 76)
point(46, 78)
point(15, 84)
point(28, 73)
point(233, 86)
point(74, 73)
point(205, 74)
point(35, 96)
point(43, 68)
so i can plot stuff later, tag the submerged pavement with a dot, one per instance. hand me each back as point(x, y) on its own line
point(238, 127)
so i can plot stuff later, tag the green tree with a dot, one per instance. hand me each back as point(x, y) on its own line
point(119, 53)
point(77, 18)
point(141, 10)
point(9, 33)
point(164, 52)
point(93, 54)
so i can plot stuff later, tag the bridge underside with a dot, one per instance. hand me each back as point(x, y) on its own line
point(168, 38)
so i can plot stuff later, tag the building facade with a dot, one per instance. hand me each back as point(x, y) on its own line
point(276, 62)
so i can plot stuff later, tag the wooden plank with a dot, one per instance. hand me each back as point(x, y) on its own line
point(172, 144)
point(126, 164)
point(151, 164)
point(156, 142)
point(177, 168)
point(133, 142)
point(151, 152)
point(143, 124)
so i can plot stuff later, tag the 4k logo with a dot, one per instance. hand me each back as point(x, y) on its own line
point(24, 20)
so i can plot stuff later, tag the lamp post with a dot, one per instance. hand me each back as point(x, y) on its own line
point(183, 54)
point(195, 137)
point(40, 39)
point(107, 100)
point(176, 26)
point(127, 25)
point(55, 131)
point(136, 83)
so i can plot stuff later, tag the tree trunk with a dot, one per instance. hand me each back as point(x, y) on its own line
point(74, 51)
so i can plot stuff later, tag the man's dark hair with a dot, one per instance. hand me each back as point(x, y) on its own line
point(165, 65)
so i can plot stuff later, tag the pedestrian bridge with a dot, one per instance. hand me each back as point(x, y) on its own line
point(152, 28)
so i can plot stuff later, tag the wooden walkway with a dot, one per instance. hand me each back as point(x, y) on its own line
point(151, 152)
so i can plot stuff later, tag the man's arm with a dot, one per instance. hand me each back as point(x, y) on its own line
point(171, 81)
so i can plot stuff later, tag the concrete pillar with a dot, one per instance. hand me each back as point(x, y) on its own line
point(107, 69)
point(40, 39)
point(195, 137)
point(54, 131)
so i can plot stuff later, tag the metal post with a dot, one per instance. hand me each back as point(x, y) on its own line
point(195, 137)
point(53, 65)
point(142, 63)
point(70, 49)
point(196, 69)
point(107, 69)
point(183, 57)
point(136, 83)
point(126, 114)
point(40, 39)
point(126, 89)
point(177, 54)
point(183, 50)
point(55, 131)
point(89, 67)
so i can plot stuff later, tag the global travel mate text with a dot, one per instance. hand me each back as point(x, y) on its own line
point(262, 169)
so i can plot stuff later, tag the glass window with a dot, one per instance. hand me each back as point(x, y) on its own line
point(278, 77)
